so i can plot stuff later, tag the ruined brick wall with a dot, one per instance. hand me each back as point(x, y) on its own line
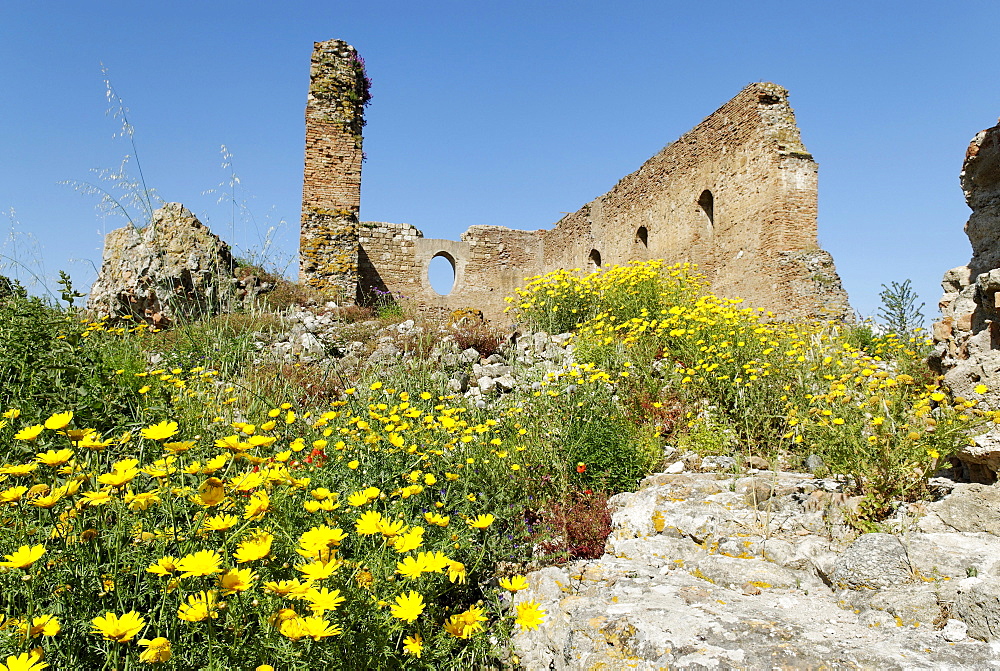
point(489, 263)
point(331, 188)
point(735, 195)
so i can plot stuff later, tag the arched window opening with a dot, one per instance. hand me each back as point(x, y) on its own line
point(441, 273)
point(642, 236)
point(706, 201)
point(594, 259)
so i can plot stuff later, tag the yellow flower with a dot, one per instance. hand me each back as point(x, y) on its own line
point(249, 480)
point(163, 566)
point(179, 446)
point(26, 661)
point(316, 571)
point(465, 624)
point(257, 506)
point(981, 389)
point(353, 465)
point(13, 494)
point(54, 457)
point(220, 522)
point(203, 562)
point(19, 469)
point(368, 524)
point(59, 420)
point(199, 607)
point(157, 650)
point(96, 498)
point(388, 527)
point(29, 432)
point(24, 556)
point(456, 572)
point(123, 472)
point(410, 540)
point(44, 625)
point(323, 600)
point(312, 506)
point(437, 519)
point(289, 588)
point(236, 580)
point(214, 464)
point(13, 413)
point(357, 499)
point(413, 645)
point(514, 583)
point(318, 542)
point(120, 629)
point(481, 522)
point(142, 501)
point(408, 607)
point(211, 492)
point(529, 615)
point(92, 441)
point(308, 627)
point(160, 431)
point(255, 547)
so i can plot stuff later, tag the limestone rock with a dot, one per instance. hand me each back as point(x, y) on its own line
point(697, 575)
point(873, 561)
point(971, 507)
point(954, 631)
point(978, 606)
point(967, 338)
point(174, 268)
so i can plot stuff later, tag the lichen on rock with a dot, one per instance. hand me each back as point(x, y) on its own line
point(173, 269)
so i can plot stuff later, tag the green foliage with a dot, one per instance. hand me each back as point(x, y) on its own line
point(68, 293)
point(48, 364)
point(653, 360)
point(614, 453)
point(899, 312)
point(225, 343)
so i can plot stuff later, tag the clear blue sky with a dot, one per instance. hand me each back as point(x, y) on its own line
point(506, 113)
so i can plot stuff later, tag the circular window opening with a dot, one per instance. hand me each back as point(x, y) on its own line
point(441, 273)
point(642, 236)
point(594, 259)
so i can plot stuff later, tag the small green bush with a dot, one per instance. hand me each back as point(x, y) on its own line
point(48, 363)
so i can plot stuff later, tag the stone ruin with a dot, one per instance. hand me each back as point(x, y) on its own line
point(173, 269)
point(736, 195)
point(967, 338)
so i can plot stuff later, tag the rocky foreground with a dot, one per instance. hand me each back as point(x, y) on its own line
point(713, 570)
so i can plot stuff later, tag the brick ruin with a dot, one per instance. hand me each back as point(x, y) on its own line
point(736, 195)
point(331, 186)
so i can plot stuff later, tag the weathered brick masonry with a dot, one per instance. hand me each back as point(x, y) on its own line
point(736, 195)
point(331, 187)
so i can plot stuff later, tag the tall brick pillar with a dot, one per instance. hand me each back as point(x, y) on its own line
point(331, 186)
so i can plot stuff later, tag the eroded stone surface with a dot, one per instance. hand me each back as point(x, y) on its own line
point(700, 572)
point(967, 337)
point(174, 267)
